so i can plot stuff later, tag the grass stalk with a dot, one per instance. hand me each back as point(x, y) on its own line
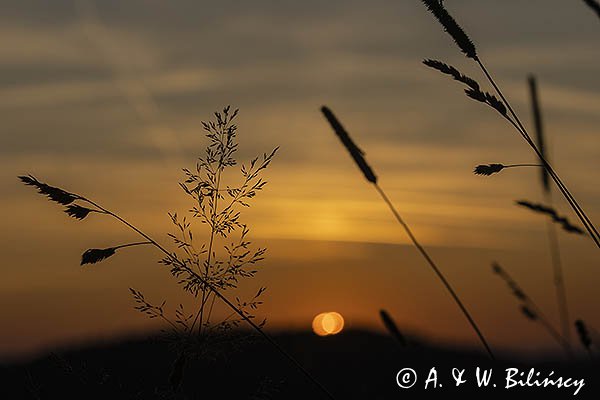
point(555, 253)
point(437, 271)
point(358, 156)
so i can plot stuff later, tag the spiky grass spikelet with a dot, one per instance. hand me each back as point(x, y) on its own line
point(92, 256)
point(356, 153)
point(450, 70)
point(55, 194)
point(488, 169)
point(451, 26)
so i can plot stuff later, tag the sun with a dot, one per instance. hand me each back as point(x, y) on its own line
point(328, 323)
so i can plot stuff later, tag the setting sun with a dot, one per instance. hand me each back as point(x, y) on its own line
point(328, 323)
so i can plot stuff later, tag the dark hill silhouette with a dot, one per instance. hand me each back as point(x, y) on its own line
point(354, 364)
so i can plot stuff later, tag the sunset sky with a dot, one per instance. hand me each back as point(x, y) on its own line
point(105, 98)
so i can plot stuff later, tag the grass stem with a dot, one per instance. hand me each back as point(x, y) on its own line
point(436, 270)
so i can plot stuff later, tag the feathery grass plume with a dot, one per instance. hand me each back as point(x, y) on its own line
point(55, 194)
point(370, 176)
point(92, 256)
point(391, 327)
point(594, 5)
point(453, 72)
point(539, 130)
point(529, 308)
point(451, 26)
point(584, 335)
point(201, 269)
point(356, 153)
point(489, 169)
point(562, 221)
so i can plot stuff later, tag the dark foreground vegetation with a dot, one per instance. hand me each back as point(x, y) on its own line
point(355, 364)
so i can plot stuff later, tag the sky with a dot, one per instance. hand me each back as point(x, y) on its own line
point(105, 98)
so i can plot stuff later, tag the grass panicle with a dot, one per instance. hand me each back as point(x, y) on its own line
point(200, 269)
point(356, 153)
point(391, 327)
point(503, 106)
point(490, 169)
point(594, 5)
point(552, 213)
point(53, 193)
point(487, 98)
point(453, 72)
point(93, 256)
point(78, 212)
point(473, 90)
point(451, 27)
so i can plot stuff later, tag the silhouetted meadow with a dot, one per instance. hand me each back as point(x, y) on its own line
point(210, 255)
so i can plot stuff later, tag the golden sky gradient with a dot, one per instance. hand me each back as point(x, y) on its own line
point(106, 98)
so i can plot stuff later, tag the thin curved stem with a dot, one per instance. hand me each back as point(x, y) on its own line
point(436, 270)
point(131, 244)
point(523, 165)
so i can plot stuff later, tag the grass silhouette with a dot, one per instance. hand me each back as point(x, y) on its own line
point(358, 156)
point(501, 105)
point(197, 270)
point(490, 169)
